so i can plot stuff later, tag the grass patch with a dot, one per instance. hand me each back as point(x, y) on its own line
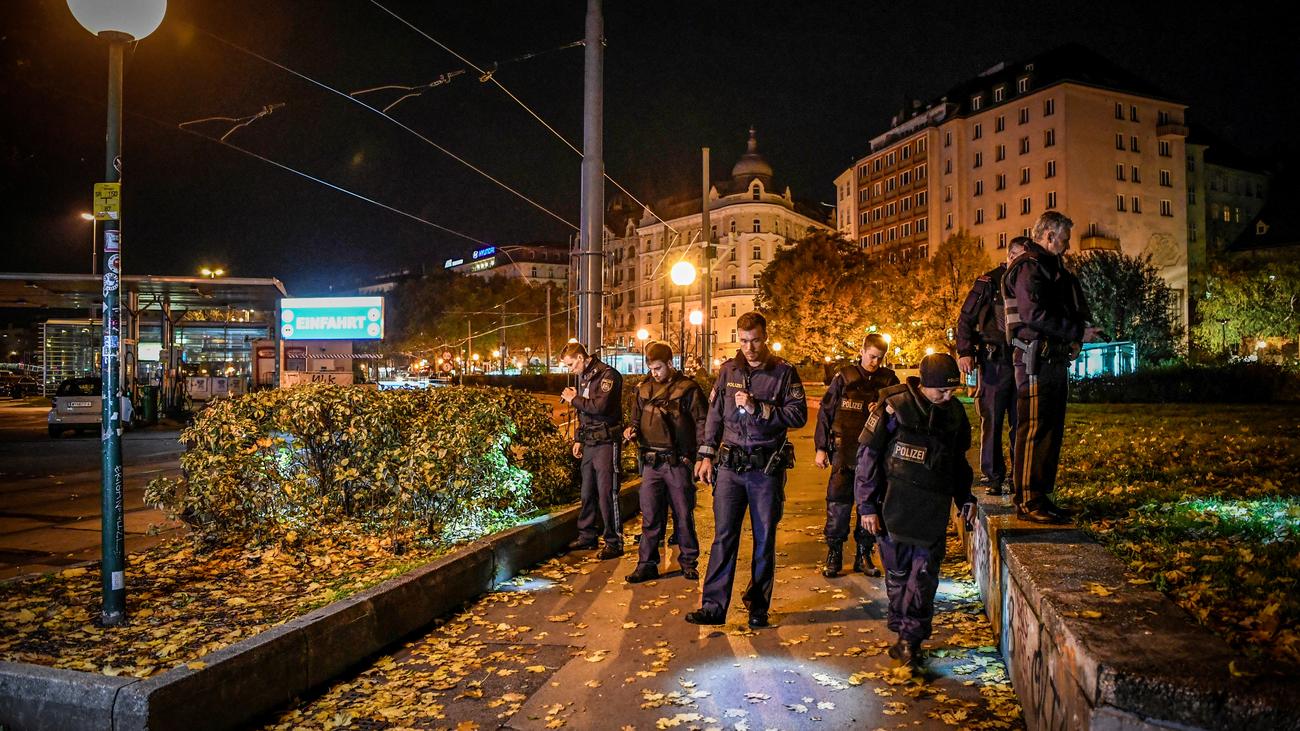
point(1200, 502)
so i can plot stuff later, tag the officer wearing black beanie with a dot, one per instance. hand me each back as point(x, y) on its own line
point(911, 468)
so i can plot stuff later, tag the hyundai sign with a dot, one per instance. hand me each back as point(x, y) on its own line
point(332, 318)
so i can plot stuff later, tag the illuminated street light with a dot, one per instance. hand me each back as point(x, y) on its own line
point(776, 347)
point(643, 334)
point(118, 22)
point(683, 273)
point(888, 338)
point(697, 318)
point(212, 273)
point(94, 241)
point(929, 351)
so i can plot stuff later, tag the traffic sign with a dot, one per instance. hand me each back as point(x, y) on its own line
point(107, 202)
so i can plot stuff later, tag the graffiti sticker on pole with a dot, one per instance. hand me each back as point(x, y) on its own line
point(107, 201)
point(112, 240)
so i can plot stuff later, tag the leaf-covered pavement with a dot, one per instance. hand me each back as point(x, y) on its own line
point(570, 645)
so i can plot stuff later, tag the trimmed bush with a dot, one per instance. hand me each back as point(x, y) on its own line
point(444, 462)
point(1183, 383)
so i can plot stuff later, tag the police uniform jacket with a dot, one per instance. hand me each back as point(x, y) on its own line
point(1043, 299)
point(845, 406)
point(981, 321)
point(912, 464)
point(777, 403)
point(599, 399)
point(670, 416)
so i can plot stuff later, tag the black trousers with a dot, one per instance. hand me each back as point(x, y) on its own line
point(1040, 411)
point(997, 405)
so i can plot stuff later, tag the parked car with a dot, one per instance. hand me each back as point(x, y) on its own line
point(18, 385)
point(77, 405)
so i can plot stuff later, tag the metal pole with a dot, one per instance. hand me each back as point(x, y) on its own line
point(469, 345)
point(113, 562)
point(706, 296)
point(548, 328)
point(590, 266)
point(94, 246)
point(681, 342)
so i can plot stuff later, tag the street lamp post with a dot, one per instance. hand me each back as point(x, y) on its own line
point(119, 22)
point(697, 319)
point(683, 275)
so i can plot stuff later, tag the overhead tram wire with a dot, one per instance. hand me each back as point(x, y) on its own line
point(397, 122)
point(485, 76)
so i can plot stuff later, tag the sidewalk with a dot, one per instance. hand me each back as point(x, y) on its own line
point(571, 645)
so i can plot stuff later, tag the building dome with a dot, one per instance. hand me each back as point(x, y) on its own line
point(752, 165)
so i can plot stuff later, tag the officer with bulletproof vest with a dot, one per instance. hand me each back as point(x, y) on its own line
point(1047, 320)
point(982, 347)
point(852, 393)
point(670, 413)
point(758, 397)
point(912, 468)
point(598, 401)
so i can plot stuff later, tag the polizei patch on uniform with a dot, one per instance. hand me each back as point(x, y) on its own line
point(909, 452)
point(607, 385)
point(850, 404)
point(796, 390)
point(730, 384)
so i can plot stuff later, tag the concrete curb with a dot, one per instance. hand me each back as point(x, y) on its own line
point(1129, 660)
point(265, 672)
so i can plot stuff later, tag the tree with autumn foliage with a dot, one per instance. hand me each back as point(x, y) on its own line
point(1129, 300)
point(1249, 299)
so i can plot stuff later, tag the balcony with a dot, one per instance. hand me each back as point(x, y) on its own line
point(1098, 242)
point(1171, 129)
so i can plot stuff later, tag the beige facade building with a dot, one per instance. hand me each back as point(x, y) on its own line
point(751, 220)
point(1066, 130)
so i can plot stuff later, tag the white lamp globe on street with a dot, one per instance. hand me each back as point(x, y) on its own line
point(776, 347)
point(132, 18)
point(683, 273)
point(697, 318)
point(642, 334)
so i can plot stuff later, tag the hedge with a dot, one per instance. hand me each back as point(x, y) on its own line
point(1183, 383)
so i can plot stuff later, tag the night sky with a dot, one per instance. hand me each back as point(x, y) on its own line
point(818, 79)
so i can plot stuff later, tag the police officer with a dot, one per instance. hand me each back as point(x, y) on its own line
point(982, 345)
point(911, 469)
point(844, 408)
point(600, 425)
point(756, 399)
point(670, 413)
point(1046, 322)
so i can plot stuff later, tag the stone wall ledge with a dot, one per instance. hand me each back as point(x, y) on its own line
point(1142, 664)
point(257, 675)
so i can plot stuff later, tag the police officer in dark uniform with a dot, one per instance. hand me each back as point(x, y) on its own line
point(982, 346)
point(911, 469)
point(849, 397)
point(1046, 322)
point(600, 431)
point(756, 399)
point(670, 413)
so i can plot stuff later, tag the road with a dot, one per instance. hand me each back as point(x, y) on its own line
point(49, 491)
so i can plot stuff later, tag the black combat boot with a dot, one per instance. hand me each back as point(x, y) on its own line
point(834, 560)
point(862, 561)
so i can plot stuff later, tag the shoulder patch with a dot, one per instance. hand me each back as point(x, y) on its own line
point(984, 278)
point(606, 385)
point(873, 420)
point(796, 390)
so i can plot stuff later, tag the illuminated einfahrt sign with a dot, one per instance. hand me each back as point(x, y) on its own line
point(332, 318)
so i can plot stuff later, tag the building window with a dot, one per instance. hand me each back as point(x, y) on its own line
point(1024, 176)
point(1025, 205)
point(890, 184)
point(1191, 196)
point(893, 233)
point(1119, 171)
point(733, 335)
point(1001, 153)
point(1024, 145)
point(733, 225)
point(1049, 107)
point(1167, 208)
point(1119, 141)
point(1162, 118)
point(890, 158)
point(1051, 199)
point(977, 102)
point(1119, 110)
point(979, 131)
point(1132, 113)
point(1002, 211)
point(1166, 178)
point(863, 195)
point(947, 194)
point(1022, 84)
point(947, 166)
point(758, 226)
point(1024, 115)
point(947, 138)
point(907, 230)
point(1136, 177)
point(1119, 203)
point(905, 177)
point(879, 212)
point(1000, 123)
point(864, 218)
point(1049, 138)
point(733, 281)
point(979, 187)
point(891, 209)
point(920, 145)
point(1137, 204)
point(906, 152)
point(922, 224)
point(1227, 218)
point(1000, 93)
point(755, 192)
point(905, 204)
point(1002, 240)
point(979, 216)
point(1051, 169)
point(864, 242)
point(875, 189)
point(1133, 144)
point(1166, 150)
point(920, 171)
point(979, 159)
point(757, 253)
point(1191, 230)
point(921, 198)
point(862, 172)
point(947, 222)
point(923, 251)
point(1001, 182)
